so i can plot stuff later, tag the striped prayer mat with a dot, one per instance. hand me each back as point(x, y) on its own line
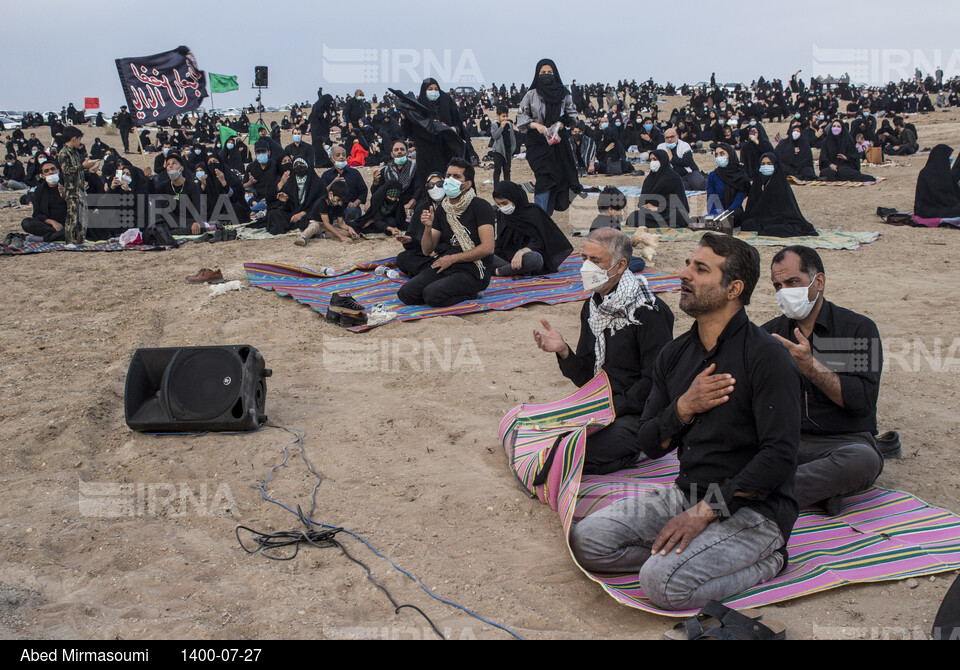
point(827, 239)
point(44, 247)
point(879, 535)
point(313, 289)
point(817, 182)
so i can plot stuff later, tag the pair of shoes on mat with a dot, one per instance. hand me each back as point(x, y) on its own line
point(14, 241)
point(345, 311)
point(716, 621)
point(206, 276)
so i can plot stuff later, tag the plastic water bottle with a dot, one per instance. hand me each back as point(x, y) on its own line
point(328, 272)
point(384, 271)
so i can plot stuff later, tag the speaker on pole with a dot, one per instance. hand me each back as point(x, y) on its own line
point(260, 76)
point(212, 388)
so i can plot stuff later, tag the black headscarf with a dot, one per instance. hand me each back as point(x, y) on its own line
point(793, 162)
point(734, 178)
point(552, 94)
point(528, 222)
point(772, 209)
point(751, 153)
point(937, 195)
point(839, 144)
point(665, 183)
point(445, 109)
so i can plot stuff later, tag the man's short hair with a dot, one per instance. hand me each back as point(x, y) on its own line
point(611, 197)
point(468, 172)
point(810, 261)
point(502, 109)
point(614, 241)
point(740, 261)
point(70, 132)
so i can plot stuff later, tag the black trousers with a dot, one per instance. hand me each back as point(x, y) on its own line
point(451, 287)
point(124, 132)
point(614, 447)
point(500, 164)
point(412, 263)
point(42, 229)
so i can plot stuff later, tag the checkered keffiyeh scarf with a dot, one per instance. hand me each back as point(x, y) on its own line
point(618, 310)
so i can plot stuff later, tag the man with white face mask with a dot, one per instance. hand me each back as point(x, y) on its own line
point(841, 358)
point(622, 329)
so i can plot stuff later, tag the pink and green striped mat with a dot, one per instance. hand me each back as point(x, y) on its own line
point(880, 535)
point(360, 281)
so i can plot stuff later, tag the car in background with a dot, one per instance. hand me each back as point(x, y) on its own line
point(6, 123)
point(465, 90)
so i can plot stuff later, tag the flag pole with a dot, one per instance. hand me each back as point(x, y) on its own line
point(143, 156)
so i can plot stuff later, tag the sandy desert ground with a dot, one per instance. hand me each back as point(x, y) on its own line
point(409, 457)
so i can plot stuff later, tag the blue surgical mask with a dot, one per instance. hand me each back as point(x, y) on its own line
point(648, 126)
point(604, 125)
point(340, 164)
point(753, 123)
point(451, 187)
point(166, 150)
point(229, 145)
point(722, 161)
point(263, 158)
point(297, 138)
point(617, 124)
point(201, 174)
point(671, 145)
point(767, 170)
point(433, 96)
point(400, 160)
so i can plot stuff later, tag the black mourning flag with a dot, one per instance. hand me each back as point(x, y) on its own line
point(162, 85)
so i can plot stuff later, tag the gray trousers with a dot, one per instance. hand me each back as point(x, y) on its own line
point(727, 558)
point(832, 465)
point(12, 185)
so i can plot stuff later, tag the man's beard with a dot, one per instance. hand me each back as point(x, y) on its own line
point(703, 301)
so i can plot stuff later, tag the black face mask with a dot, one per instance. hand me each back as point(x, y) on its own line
point(546, 79)
point(300, 170)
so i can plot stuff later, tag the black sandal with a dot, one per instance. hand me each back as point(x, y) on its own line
point(716, 621)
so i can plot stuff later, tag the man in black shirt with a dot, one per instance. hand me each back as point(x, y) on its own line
point(460, 231)
point(633, 326)
point(49, 207)
point(726, 396)
point(840, 357)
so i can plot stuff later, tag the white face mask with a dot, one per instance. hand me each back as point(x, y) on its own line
point(508, 209)
point(436, 193)
point(53, 179)
point(174, 174)
point(593, 276)
point(794, 303)
point(654, 166)
point(795, 135)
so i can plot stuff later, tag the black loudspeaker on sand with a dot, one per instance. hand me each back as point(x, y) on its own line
point(196, 389)
point(260, 75)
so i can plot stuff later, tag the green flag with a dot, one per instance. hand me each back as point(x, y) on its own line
point(225, 134)
point(254, 133)
point(221, 83)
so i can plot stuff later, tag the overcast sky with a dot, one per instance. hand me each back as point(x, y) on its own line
point(375, 44)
